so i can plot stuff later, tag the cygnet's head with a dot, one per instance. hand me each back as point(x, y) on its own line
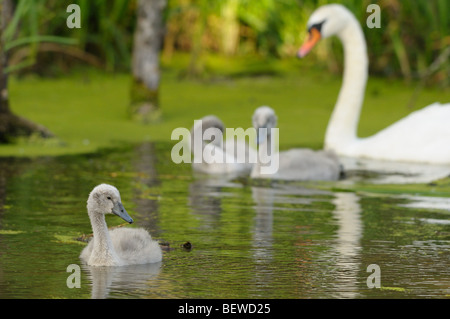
point(264, 117)
point(105, 199)
point(324, 22)
point(211, 129)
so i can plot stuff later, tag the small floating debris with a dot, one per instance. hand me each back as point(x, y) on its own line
point(84, 238)
point(187, 245)
point(165, 246)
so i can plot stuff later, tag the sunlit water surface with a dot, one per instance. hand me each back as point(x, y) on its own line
point(249, 240)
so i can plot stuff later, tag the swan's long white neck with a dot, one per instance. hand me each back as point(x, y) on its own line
point(343, 124)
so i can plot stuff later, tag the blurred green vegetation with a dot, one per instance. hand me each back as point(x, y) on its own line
point(412, 34)
point(87, 110)
point(231, 78)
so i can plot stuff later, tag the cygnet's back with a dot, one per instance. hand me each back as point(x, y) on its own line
point(135, 246)
point(208, 151)
point(299, 164)
point(308, 165)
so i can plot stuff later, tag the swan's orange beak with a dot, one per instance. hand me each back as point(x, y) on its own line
point(314, 37)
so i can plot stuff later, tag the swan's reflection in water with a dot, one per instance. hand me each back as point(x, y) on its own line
point(135, 280)
point(347, 244)
point(345, 248)
point(426, 202)
point(385, 172)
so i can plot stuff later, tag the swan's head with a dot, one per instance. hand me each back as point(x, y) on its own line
point(324, 22)
point(264, 117)
point(211, 129)
point(105, 199)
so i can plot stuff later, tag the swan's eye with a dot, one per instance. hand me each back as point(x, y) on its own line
point(317, 26)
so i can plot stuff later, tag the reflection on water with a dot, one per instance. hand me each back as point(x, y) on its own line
point(384, 172)
point(250, 240)
point(440, 206)
point(206, 194)
point(427, 202)
point(263, 223)
point(347, 243)
point(131, 281)
point(348, 215)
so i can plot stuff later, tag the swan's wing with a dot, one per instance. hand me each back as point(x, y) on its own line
point(423, 135)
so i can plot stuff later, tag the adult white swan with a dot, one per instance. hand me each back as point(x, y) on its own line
point(120, 246)
point(422, 136)
point(297, 164)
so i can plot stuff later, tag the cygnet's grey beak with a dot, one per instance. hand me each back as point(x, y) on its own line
point(261, 135)
point(120, 211)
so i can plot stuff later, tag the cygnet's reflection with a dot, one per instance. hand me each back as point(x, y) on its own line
point(135, 279)
point(263, 225)
point(265, 198)
point(206, 193)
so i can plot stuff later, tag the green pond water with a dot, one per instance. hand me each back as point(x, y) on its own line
point(249, 239)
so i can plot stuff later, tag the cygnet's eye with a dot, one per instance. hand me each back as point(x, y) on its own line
point(109, 197)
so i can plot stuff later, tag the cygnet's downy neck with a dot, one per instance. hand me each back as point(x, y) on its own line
point(268, 155)
point(103, 247)
point(342, 128)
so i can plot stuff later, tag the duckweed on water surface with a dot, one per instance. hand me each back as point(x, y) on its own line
point(87, 110)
